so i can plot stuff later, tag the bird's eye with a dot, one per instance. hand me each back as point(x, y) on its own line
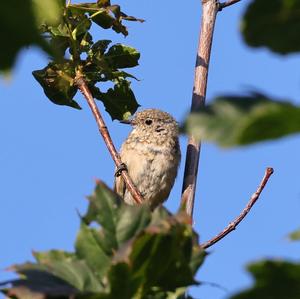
point(148, 122)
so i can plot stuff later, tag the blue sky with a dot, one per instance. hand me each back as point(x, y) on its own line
point(51, 155)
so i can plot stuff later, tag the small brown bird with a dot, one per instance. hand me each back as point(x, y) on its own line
point(151, 153)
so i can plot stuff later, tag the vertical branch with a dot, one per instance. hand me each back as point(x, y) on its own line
point(81, 84)
point(209, 12)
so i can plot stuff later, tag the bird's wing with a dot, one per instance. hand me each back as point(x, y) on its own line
point(119, 186)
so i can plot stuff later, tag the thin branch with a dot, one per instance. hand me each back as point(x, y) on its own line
point(227, 3)
point(209, 12)
point(232, 226)
point(81, 84)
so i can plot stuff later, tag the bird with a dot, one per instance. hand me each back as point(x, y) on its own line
point(151, 154)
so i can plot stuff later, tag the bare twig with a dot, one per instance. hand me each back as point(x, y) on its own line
point(232, 226)
point(209, 12)
point(227, 3)
point(81, 84)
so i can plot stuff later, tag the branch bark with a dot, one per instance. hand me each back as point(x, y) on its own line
point(232, 225)
point(209, 12)
point(227, 3)
point(81, 84)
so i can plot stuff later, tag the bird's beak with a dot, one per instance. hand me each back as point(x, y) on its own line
point(126, 121)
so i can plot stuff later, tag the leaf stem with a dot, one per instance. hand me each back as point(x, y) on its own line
point(209, 12)
point(232, 225)
point(81, 84)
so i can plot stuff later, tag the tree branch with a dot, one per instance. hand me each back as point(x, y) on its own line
point(209, 12)
point(232, 226)
point(81, 84)
point(227, 3)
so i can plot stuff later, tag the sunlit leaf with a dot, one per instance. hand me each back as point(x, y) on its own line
point(232, 121)
point(102, 200)
point(131, 221)
point(275, 25)
point(20, 22)
point(89, 248)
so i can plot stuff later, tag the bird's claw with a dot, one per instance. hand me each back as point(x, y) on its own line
point(120, 168)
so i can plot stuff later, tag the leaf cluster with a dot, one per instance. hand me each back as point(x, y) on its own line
point(74, 52)
point(243, 120)
point(121, 251)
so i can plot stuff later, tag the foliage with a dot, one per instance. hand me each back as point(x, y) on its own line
point(23, 23)
point(274, 24)
point(127, 251)
point(273, 280)
point(233, 120)
point(67, 37)
point(121, 251)
point(295, 236)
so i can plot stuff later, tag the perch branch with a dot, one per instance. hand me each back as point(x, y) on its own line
point(81, 84)
point(209, 12)
point(232, 226)
point(227, 3)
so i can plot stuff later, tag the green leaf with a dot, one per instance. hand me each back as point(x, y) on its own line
point(35, 281)
point(121, 283)
point(48, 257)
point(99, 48)
point(57, 82)
point(134, 254)
point(104, 209)
point(89, 248)
point(232, 121)
point(82, 27)
point(60, 44)
point(105, 15)
point(273, 280)
point(274, 25)
point(119, 101)
point(77, 273)
point(131, 221)
point(121, 56)
point(166, 246)
point(23, 25)
point(295, 236)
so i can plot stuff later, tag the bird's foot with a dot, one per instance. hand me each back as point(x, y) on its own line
point(120, 168)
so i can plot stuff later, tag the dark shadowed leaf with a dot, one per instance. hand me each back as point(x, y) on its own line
point(35, 283)
point(119, 101)
point(274, 24)
point(105, 15)
point(232, 121)
point(121, 56)
point(273, 280)
point(72, 271)
point(121, 282)
point(57, 82)
point(100, 47)
point(19, 23)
